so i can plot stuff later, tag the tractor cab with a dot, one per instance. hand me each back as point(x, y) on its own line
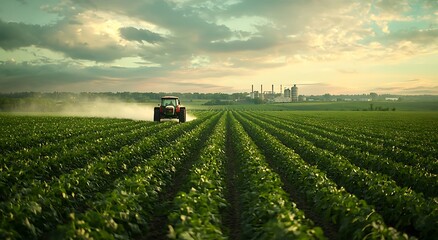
point(169, 102)
point(170, 107)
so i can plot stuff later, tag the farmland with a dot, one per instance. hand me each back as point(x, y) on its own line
point(224, 175)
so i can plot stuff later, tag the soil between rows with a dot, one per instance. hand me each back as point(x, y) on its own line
point(330, 229)
point(231, 218)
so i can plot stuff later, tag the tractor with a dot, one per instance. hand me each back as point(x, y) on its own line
point(170, 108)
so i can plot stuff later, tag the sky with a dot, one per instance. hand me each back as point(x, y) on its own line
point(322, 46)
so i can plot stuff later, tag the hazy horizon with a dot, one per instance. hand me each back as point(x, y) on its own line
point(336, 47)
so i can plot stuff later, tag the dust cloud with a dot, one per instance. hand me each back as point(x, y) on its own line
point(103, 108)
point(106, 109)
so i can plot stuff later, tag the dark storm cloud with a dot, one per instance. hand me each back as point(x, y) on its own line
point(139, 35)
point(16, 35)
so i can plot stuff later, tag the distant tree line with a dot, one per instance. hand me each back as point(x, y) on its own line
point(51, 101)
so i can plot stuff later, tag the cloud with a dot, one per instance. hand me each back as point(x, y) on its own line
point(67, 77)
point(253, 44)
point(15, 35)
point(58, 38)
point(133, 43)
point(418, 90)
point(16, 77)
point(134, 34)
point(181, 22)
point(392, 6)
point(419, 36)
point(178, 30)
point(433, 90)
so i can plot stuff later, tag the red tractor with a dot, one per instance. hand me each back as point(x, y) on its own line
point(170, 108)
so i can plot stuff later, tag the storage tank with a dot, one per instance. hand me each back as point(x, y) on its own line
point(294, 92)
point(287, 92)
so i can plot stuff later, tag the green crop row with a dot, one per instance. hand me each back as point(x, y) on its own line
point(46, 162)
point(24, 132)
point(63, 143)
point(401, 207)
point(356, 219)
point(197, 212)
point(243, 175)
point(419, 150)
point(40, 206)
point(382, 148)
point(407, 176)
point(125, 211)
point(267, 212)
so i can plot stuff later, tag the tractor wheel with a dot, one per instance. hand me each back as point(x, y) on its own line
point(182, 115)
point(156, 114)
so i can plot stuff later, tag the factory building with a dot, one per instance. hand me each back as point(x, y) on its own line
point(291, 94)
point(286, 95)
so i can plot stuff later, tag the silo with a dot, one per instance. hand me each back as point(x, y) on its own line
point(287, 92)
point(294, 91)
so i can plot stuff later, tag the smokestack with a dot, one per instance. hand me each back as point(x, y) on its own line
point(252, 88)
point(261, 91)
point(281, 89)
point(272, 89)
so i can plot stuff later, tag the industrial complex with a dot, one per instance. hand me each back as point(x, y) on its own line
point(284, 95)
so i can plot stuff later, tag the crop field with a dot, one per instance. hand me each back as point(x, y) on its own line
point(224, 175)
